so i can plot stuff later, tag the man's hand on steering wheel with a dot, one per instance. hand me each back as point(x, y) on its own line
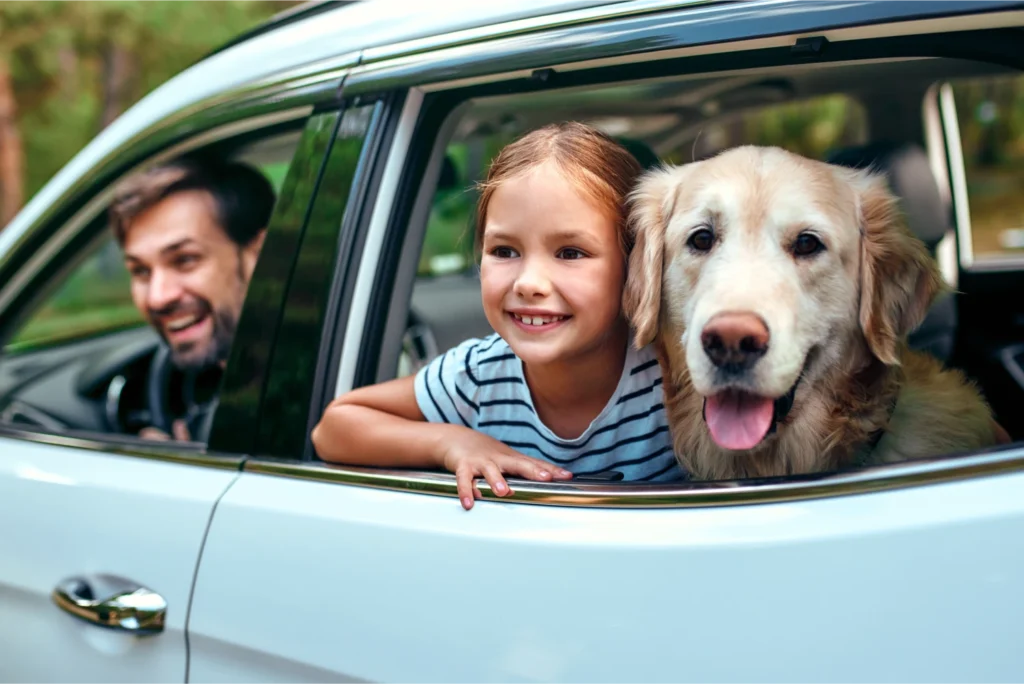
point(178, 427)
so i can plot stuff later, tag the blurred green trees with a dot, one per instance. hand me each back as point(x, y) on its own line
point(67, 69)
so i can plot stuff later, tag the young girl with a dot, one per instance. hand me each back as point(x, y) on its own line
point(558, 390)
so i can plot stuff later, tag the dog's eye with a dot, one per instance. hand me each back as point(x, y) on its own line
point(702, 240)
point(807, 244)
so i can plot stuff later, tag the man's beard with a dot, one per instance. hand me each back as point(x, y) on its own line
point(195, 356)
point(188, 357)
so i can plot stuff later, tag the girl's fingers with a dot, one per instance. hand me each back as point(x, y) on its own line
point(534, 469)
point(465, 487)
point(492, 473)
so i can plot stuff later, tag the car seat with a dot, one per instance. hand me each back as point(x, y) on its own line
point(909, 175)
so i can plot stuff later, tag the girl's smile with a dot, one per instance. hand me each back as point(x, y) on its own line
point(536, 320)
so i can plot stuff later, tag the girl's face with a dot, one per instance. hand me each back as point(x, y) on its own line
point(552, 270)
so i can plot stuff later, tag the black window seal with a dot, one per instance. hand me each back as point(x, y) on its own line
point(238, 413)
point(293, 377)
point(352, 240)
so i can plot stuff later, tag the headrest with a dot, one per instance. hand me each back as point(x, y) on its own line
point(449, 174)
point(642, 151)
point(906, 167)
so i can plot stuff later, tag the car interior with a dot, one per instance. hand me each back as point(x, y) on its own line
point(859, 114)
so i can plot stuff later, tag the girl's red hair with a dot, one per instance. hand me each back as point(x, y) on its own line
point(601, 169)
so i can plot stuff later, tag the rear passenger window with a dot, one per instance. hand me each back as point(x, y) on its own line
point(990, 114)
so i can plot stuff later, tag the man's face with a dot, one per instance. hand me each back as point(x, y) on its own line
point(188, 277)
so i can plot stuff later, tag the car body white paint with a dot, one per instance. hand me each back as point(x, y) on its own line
point(307, 581)
point(72, 512)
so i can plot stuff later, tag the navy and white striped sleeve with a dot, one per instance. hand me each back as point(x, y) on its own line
point(443, 390)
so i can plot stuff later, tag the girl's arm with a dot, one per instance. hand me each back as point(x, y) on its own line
point(382, 425)
point(379, 425)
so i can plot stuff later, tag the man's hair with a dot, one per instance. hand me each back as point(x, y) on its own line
point(242, 196)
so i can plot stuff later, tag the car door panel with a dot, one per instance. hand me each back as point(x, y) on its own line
point(916, 584)
point(70, 512)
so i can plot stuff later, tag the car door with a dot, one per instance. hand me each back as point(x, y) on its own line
point(102, 533)
point(909, 572)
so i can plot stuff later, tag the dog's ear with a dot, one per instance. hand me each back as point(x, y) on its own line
point(899, 279)
point(650, 205)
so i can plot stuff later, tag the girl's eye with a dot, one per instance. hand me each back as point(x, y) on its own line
point(702, 240)
point(570, 253)
point(807, 245)
point(504, 253)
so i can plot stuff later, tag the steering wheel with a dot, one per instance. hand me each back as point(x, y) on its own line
point(418, 342)
point(198, 415)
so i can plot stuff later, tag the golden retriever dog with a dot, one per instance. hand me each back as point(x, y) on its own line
point(779, 292)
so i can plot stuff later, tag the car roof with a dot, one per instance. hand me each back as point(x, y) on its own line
point(310, 35)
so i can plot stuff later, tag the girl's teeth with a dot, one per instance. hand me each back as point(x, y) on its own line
point(538, 320)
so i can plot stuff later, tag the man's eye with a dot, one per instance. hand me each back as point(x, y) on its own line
point(138, 273)
point(185, 260)
point(570, 253)
point(504, 253)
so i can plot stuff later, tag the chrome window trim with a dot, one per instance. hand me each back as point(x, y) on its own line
point(957, 175)
point(94, 206)
point(376, 231)
point(946, 250)
point(1002, 461)
point(184, 453)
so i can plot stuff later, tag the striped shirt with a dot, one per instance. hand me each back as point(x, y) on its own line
point(480, 384)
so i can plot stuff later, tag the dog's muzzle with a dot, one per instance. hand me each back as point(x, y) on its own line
point(740, 419)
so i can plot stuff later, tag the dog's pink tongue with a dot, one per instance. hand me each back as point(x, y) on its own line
point(738, 420)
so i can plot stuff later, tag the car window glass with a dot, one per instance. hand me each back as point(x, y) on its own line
point(990, 114)
point(93, 299)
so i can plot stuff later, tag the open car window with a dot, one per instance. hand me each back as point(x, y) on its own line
point(846, 113)
point(82, 357)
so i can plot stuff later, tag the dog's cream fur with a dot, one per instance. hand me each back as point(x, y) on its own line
point(841, 315)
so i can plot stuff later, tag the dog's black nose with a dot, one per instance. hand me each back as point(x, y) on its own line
point(735, 341)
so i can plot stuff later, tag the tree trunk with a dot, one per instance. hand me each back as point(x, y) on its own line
point(117, 77)
point(11, 154)
point(67, 62)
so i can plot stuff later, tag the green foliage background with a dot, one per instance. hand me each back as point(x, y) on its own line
point(58, 53)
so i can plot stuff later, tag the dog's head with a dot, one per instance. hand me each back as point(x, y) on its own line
point(767, 268)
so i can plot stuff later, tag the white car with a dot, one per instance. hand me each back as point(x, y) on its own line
point(242, 557)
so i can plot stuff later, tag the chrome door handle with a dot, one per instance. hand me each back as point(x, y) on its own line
point(112, 602)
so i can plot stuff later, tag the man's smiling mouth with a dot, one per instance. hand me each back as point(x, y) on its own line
point(183, 322)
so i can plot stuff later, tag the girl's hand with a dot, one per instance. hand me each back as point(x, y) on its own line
point(471, 454)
